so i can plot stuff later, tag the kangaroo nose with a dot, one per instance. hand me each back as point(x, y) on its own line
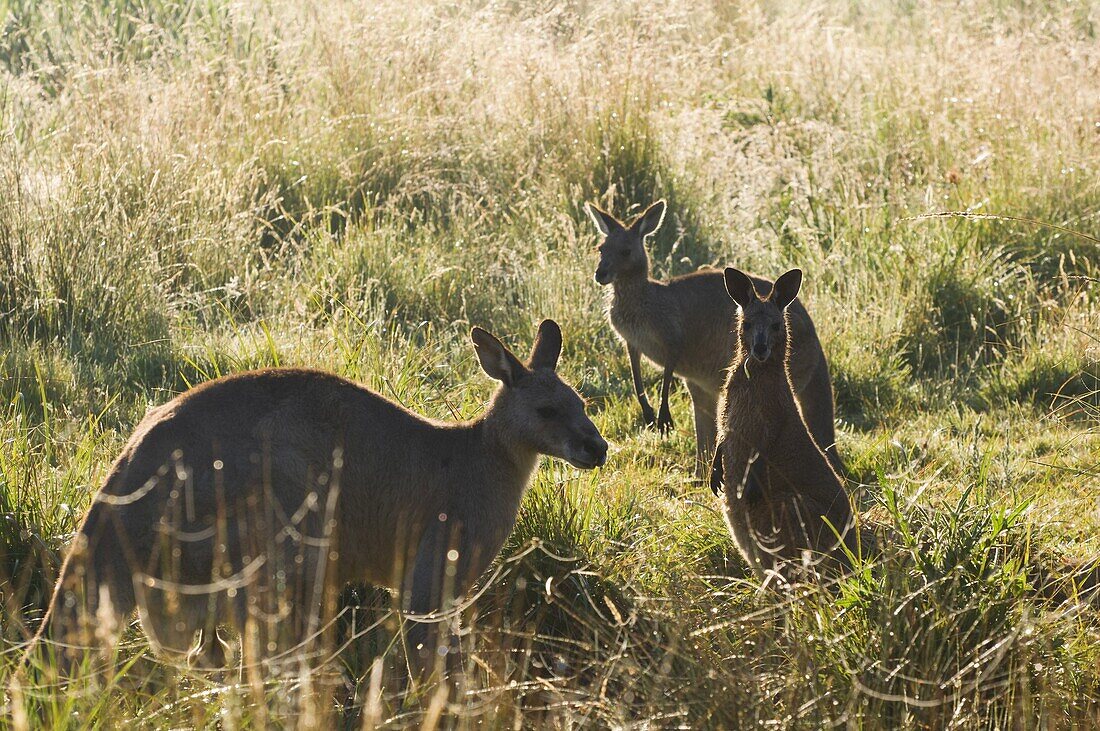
point(601, 275)
point(598, 448)
point(760, 349)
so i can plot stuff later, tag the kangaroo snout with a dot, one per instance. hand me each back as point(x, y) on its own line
point(602, 276)
point(761, 348)
point(589, 452)
point(597, 447)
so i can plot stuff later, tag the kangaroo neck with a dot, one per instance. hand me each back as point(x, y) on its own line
point(514, 460)
point(758, 402)
point(631, 284)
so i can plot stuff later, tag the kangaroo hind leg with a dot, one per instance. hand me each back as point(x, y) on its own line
point(706, 427)
point(94, 594)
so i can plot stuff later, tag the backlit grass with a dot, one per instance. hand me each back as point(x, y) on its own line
point(190, 189)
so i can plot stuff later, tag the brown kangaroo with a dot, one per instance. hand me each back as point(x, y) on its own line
point(683, 326)
point(251, 500)
point(784, 503)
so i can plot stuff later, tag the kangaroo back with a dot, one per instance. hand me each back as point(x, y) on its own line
point(229, 478)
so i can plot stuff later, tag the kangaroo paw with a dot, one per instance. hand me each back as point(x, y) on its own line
point(716, 472)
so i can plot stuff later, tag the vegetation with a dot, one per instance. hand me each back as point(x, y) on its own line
point(192, 188)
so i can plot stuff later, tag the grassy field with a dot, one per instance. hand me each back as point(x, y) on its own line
point(193, 188)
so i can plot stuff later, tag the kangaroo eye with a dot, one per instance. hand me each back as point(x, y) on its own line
point(547, 412)
point(624, 253)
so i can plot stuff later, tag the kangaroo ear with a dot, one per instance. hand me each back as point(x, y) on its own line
point(547, 346)
point(604, 221)
point(786, 288)
point(740, 287)
point(650, 221)
point(497, 360)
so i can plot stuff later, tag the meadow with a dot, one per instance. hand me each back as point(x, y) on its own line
point(190, 188)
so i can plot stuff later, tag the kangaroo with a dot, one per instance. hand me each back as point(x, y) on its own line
point(683, 326)
point(251, 500)
point(784, 503)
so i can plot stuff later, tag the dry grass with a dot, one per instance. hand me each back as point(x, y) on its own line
point(194, 188)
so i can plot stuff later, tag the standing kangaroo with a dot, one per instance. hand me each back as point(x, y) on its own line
point(683, 326)
point(784, 503)
point(251, 500)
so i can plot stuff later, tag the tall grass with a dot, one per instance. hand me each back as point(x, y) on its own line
point(189, 189)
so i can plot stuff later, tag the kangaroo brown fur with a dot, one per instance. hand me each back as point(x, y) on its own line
point(251, 500)
point(683, 326)
point(784, 503)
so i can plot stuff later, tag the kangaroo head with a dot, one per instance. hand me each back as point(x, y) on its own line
point(623, 249)
point(762, 328)
point(534, 405)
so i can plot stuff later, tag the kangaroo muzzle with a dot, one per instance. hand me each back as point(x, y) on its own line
point(760, 348)
point(598, 449)
point(590, 453)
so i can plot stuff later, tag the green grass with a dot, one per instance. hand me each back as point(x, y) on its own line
point(189, 189)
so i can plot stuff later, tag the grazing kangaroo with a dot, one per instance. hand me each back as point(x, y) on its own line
point(251, 500)
point(784, 503)
point(683, 326)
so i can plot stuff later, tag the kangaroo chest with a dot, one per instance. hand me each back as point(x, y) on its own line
point(644, 331)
